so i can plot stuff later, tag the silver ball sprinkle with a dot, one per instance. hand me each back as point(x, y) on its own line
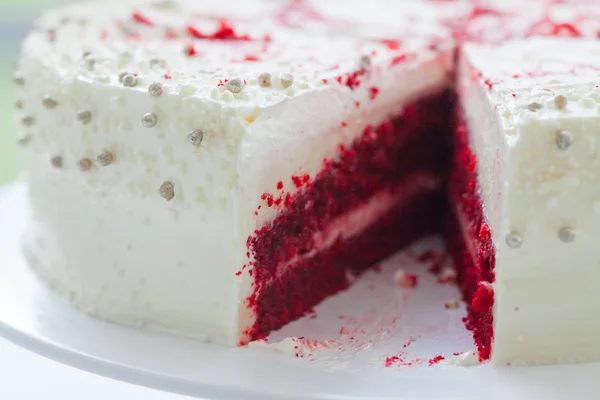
point(534, 106)
point(287, 80)
point(85, 117)
point(155, 89)
point(129, 80)
point(28, 120)
point(49, 103)
point(85, 164)
point(564, 140)
point(365, 61)
point(566, 235)
point(167, 191)
point(264, 79)
point(23, 140)
point(235, 85)
point(149, 120)
point(195, 137)
point(56, 161)
point(105, 158)
point(90, 61)
point(157, 62)
point(18, 79)
point(514, 240)
point(560, 101)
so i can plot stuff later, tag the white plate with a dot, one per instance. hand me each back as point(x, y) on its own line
point(379, 316)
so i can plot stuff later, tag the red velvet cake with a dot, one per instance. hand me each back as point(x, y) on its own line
point(240, 161)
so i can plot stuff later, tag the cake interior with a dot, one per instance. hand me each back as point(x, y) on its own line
point(411, 176)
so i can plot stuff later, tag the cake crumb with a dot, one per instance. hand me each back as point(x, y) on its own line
point(452, 304)
point(447, 275)
point(404, 279)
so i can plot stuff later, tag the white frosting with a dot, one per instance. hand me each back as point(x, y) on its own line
point(546, 302)
point(104, 237)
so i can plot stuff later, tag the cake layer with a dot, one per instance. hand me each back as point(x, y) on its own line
point(161, 134)
point(532, 115)
point(357, 199)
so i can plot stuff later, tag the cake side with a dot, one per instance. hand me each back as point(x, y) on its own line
point(532, 117)
point(160, 139)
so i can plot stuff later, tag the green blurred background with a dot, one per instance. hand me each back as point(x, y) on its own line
point(16, 17)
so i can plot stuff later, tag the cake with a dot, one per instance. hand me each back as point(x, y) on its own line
point(215, 171)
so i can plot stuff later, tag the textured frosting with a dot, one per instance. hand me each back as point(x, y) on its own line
point(143, 195)
point(532, 109)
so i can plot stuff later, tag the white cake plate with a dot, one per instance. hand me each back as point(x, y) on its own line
point(379, 317)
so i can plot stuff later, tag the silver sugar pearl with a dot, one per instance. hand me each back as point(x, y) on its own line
point(560, 101)
point(23, 140)
point(235, 85)
point(85, 164)
point(564, 140)
point(264, 79)
point(534, 106)
point(49, 103)
point(195, 137)
point(365, 61)
point(56, 161)
point(514, 240)
point(157, 62)
point(149, 120)
point(129, 80)
point(287, 80)
point(566, 235)
point(85, 117)
point(155, 89)
point(90, 61)
point(167, 191)
point(18, 79)
point(105, 158)
point(28, 120)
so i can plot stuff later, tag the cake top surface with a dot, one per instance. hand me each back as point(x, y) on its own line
point(538, 77)
point(257, 54)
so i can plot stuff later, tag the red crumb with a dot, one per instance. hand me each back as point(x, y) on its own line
point(238, 273)
point(140, 19)
point(167, 76)
point(373, 92)
point(343, 124)
point(485, 232)
point(344, 331)
point(488, 83)
point(279, 185)
point(389, 361)
point(190, 50)
point(251, 58)
point(447, 275)
point(405, 280)
point(436, 360)
point(402, 58)
point(427, 256)
point(357, 104)
point(456, 354)
point(392, 44)
point(224, 32)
